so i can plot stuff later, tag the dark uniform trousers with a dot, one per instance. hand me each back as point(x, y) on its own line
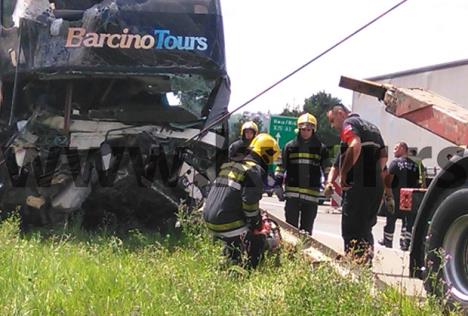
point(307, 211)
point(249, 243)
point(407, 221)
point(359, 215)
point(362, 200)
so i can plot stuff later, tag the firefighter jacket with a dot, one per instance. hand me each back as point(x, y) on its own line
point(238, 149)
point(232, 206)
point(301, 168)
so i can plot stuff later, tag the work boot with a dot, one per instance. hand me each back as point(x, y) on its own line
point(385, 242)
point(404, 244)
point(405, 239)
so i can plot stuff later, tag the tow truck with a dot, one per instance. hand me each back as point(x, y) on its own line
point(439, 246)
point(98, 101)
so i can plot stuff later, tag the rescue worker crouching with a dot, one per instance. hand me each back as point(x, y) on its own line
point(238, 149)
point(303, 160)
point(231, 211)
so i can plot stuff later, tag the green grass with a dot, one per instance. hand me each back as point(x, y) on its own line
point(79, 273)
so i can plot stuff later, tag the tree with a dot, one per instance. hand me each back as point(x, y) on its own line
point(291, 111)
point(318, 105)
point(233, 126)
point(237, 120)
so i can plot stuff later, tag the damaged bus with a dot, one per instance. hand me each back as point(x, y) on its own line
point(97, 102)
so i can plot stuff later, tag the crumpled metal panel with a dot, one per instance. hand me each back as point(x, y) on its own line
point(119, 59)
point(122, 37)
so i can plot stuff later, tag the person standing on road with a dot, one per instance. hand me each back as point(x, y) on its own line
point(232, 211)
point(363, 156)
point(403, 172)
point(303, 160)
point(238, 149)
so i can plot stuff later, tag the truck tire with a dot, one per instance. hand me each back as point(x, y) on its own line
point(446, 252)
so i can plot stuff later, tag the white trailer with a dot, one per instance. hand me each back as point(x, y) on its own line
point(448, 80)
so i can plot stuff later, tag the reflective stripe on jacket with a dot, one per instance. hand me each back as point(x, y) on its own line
point(232, 205)
point(302, 163)
point(302, 193)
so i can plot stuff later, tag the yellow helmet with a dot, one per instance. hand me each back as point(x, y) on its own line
point(307, 118)
point(266, 147)
point(249, 125)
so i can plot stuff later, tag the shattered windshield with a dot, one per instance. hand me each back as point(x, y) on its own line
point(148, 61)
point(151, 36)
point(150, 6)
point(173, 6)
point(176, 98)
point(191, 92)
point(33, 8)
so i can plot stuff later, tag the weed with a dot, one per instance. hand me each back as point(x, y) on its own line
point(75, 272)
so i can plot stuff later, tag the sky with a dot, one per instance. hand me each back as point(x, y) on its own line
point(267, 39)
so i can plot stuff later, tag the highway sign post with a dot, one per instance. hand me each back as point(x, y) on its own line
point(282, 128)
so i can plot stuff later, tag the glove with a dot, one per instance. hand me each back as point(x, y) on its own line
point(279, 192)
point(390, 204)
point(328, 190)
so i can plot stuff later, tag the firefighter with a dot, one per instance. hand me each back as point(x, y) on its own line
point(403, 172)
point(360, 168)
point(303, 161)
point(232, 211)
point(238, 149)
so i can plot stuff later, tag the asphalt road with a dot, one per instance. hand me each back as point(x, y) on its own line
point(390, 264)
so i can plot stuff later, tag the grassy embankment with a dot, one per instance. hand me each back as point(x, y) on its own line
point(79, 273)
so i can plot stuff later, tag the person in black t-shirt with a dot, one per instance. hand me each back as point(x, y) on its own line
point(403, 172)
point(363, 156)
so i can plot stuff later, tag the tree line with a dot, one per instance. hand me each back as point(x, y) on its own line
point(318, 104)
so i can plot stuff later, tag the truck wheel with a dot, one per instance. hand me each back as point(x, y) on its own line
point(447, 250)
